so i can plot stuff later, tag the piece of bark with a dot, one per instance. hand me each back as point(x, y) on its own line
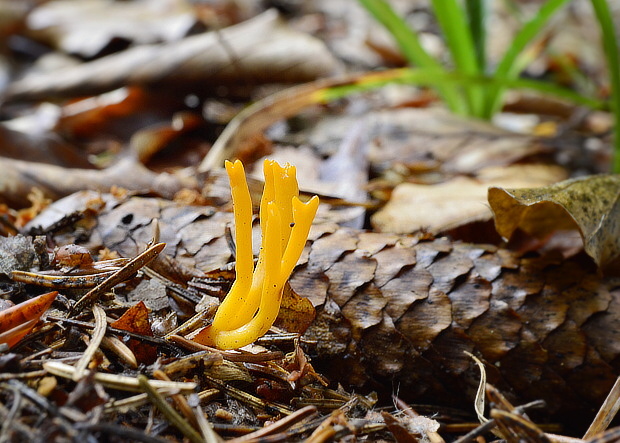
point(397, 313)
point(260, 50)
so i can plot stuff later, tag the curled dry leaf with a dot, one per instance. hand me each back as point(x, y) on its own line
point(17, 321)
point(589, 204)
point(87, 27)
point(430, 137)
point(454, 203)
point(260, 50)
point(17, 178)
point(20, 143)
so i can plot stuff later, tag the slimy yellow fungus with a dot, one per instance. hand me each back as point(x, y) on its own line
point(253, 302)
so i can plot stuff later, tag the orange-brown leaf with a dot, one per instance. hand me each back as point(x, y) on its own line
point(136, 319)
point(17, 321)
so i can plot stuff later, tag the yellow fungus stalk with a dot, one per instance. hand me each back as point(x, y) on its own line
point(252, 305)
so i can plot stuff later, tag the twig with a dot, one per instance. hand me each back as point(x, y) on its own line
point(608, 410)
point(247, 398)
point(119, 276)
point(154, 340)
point(24, 375)
point(125, 432)
point(95, 342)
point(120, 382)
point(168, 411)
point(42, 403)
point(134, 401)
point(278, 426)
point(209, 435)
point(486, 427)
point(60, 281)
point(178, 399)
point(245, 357)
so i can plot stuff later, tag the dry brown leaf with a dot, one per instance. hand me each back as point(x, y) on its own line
point(296, 313)
point(260, 50)
point(87, 27)
point(17, 321)
point(147, 142)
point(136, 319)
point(453, 143)
point(17, 178)
point(589, 204)
point(437, 208)
point(31, 137)
point(432, 138)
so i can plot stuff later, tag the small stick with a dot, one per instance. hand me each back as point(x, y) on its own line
point(208, 434)
point(606, 414)
point(247, 398)
point(278, 426)
point(60, 281)
point(120, 382)
point(154, 340)
point(95, 342)
point(21, 376)
point(485, 427)
point(178, 399)
point(168, 411)
point(227, 355)
point(119, 276)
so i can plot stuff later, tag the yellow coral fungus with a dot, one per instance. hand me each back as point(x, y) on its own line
point(252, 305)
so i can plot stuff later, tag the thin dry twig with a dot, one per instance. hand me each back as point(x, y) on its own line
point(279, 426)
point(60, 281)
point(208, 434)
point(168, 411)
point(247, 398)
point(119, 276)
point(95, 342)
point(606, 414)
point(178, 399)
point(120, 382)
point(234, 356)
point(489, 425)
point(145, 338)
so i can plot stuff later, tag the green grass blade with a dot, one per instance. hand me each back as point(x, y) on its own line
point(407, 40)
point(453, 22)
point(424, 77)
point(410, 45)
point(509, 67)
point(610, 45)
point(477, 15)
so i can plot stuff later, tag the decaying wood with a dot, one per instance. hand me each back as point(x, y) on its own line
point(398, 313)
